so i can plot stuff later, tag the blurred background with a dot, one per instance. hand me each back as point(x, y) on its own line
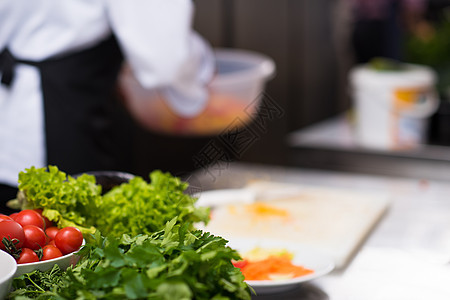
point(315, 46)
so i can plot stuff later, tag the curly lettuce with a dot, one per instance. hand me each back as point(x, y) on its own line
point(65, 200)
point(136, 207)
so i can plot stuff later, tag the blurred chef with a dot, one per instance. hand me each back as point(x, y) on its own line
point(59, 63)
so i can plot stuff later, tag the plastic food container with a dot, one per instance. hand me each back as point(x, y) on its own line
point(234, 94)
point(393, 107)
point(8, 267)
point(242, 75)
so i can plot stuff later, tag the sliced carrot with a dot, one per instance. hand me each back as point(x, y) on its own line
point(273, 267)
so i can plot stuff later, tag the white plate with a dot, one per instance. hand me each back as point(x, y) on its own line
point(304, 256)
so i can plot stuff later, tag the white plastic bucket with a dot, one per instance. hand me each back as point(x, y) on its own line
point(392, 108)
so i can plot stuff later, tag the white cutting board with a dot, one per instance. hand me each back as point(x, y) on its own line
point(334, 221)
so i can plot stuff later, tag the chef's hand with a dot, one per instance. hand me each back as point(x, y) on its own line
point(222, 113)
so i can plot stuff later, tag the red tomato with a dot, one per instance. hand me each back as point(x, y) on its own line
point(12, 231)
point(47, 222)
point(240, 263)
point(5, 218)
point(68, 239)
point(34, 237)
point(13, 215)
point(27, 256)
point(51, 232)
point(50, 252)
point(30, 217)
point(52, 242)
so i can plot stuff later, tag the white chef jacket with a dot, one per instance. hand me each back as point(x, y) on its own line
point(154, 35)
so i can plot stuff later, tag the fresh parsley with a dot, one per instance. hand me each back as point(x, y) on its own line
point(174, 263)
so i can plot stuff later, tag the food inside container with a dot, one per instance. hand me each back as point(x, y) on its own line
point(241, 77)
point(35, 243)
point(270, 264)
point(234, 96)
point(63, 262)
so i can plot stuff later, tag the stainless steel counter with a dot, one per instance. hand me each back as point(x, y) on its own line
point(407, 255)
point(331, 145)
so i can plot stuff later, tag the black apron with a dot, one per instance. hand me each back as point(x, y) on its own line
point(86, 127)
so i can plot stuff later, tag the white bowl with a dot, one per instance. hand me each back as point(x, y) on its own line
point(7, 270)
point(63, 262)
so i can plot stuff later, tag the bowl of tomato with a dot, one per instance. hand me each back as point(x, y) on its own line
point(63, 262)
point(36, 244)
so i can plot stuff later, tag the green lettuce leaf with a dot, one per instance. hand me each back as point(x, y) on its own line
point(138, 207)
point(133, 208)
point(65, 200)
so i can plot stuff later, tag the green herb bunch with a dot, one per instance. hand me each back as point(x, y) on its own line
point(174, 263)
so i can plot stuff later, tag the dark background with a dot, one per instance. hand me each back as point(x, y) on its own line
point(299, 35)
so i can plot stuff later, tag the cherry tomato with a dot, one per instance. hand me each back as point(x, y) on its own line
point(13, 231)
point(68, 239)
point(47, 222)
point(30, 217)
point(50, 252)
point(27, 256)
point(51, 232)
point(240, 263)
point(34, 237)
point(13, 215)
point(5, 218)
